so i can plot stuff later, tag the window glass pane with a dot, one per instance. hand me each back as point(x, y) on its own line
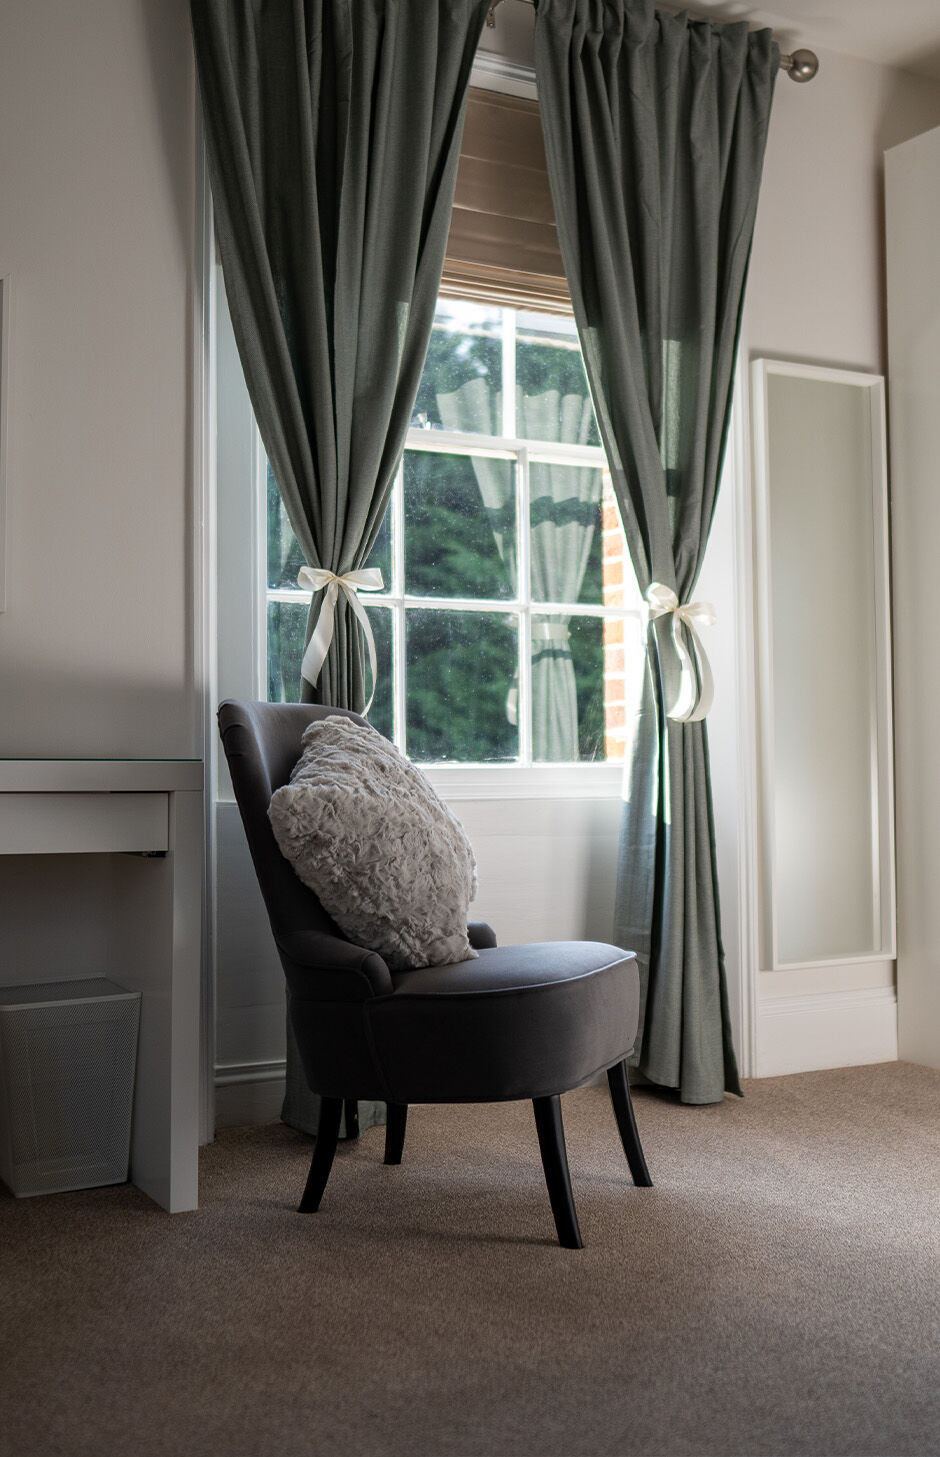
point(572, 698)
point(287, 622)
point(465, 349)
point(553, 401)
point(381, 554)
point(460, 525)
point(566, 543)
point(461, 686)
point(285, 557)
point(380, 714)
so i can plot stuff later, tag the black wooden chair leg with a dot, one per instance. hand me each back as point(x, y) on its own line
point(626, 1123)
point(351, 1117)
point(395, 1120)
point(555, 1163)
point(327, 1133)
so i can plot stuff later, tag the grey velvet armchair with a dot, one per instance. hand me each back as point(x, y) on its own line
point(530, 1021)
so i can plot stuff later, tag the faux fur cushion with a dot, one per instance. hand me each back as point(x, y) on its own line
point(387, 859)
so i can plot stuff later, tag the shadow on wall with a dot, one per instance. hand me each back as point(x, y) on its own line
point(172, 101)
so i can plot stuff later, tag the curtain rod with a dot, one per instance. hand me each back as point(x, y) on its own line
point(800, 66)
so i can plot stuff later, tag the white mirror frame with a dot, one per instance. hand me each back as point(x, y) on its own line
point(883, 873)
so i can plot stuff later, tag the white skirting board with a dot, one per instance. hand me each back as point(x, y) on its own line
point(825, 1030)
point(250, 1092)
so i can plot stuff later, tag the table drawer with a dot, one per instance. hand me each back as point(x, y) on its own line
point(76, 824)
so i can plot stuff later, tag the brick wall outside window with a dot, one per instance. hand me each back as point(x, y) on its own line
point(614, 552)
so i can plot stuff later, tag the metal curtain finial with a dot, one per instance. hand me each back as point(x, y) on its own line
point(801, 66)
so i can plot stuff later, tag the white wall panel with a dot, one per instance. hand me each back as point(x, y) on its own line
point(913, 213)
point(547, 868)
point(250, 1016)
point(97, 155)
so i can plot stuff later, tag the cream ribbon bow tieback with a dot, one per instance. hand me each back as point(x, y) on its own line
point(316, 579)
point(696, 684)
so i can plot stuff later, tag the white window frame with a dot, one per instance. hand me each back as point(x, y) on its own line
point(585, 779)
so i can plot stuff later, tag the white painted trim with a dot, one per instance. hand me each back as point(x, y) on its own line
point(524, 584)
point(746, 680)
point(500, 607)
point(205, 675)
point(864, 959)
point(260, 597)
point(495, 73)
point(826, 1030)
point(6, 314)
point(249, 1093)
point(764, 737)
point(883, 868)
point(459, 442)
point(883, 747)
point(229, 1073)
point(508, 369)
point(399, 657)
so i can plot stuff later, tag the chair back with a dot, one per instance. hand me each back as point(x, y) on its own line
point(262, 743)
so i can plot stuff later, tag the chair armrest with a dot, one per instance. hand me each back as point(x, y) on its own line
point(320, 967)
point(481, 936)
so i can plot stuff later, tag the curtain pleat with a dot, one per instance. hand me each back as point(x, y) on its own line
point(655, 127)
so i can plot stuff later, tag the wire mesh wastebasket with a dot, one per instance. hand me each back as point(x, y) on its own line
point(68, 1053)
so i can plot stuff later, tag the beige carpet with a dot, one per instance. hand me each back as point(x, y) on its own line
point(778, 1291)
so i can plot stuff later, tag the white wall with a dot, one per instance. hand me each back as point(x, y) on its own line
point(96, 227)
point(816, 290)
point(817, 295)
point(914, 301)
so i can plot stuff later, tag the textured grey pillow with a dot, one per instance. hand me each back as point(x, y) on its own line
point(365, 830)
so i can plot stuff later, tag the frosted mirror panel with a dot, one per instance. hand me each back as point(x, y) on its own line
point(824, 655)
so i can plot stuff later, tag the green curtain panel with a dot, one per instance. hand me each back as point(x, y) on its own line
point(655, 127)
point(333, 134)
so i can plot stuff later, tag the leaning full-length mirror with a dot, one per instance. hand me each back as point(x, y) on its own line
point(825, 715)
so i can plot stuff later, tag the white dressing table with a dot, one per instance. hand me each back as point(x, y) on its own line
point(146, 815)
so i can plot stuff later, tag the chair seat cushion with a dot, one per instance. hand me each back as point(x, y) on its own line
point(510, 968)
point(519, 1022)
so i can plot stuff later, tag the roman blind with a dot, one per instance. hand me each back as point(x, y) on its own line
point(503, 244)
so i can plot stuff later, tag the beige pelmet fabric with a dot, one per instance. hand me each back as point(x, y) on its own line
point(365, 830)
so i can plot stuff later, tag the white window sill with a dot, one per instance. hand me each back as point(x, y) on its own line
point(513, 781)
point(462, 782)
